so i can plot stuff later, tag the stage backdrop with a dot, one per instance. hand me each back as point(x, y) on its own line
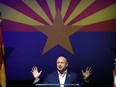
point(36, 32)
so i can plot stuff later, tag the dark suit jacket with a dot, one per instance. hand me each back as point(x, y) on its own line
point(71, 78)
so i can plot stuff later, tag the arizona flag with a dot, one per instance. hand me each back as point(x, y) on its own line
point(2, 67)
point(36, 32)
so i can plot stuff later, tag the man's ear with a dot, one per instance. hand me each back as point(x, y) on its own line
point(67, 64)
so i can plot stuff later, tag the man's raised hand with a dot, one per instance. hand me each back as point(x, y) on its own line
point(35, 72)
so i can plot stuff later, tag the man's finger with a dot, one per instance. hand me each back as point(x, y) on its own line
point(82, 71)
point(40, 72)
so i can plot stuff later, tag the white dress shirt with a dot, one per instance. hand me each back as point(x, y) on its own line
point(62, 78)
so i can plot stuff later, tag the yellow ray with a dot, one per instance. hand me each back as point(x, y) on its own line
point(37, 9)
point(51, 5)
point(103, 15)
point(80, 7)
point(13, 15)
point(65, 5)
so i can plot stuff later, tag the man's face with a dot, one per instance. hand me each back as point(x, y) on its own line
point(62, 63)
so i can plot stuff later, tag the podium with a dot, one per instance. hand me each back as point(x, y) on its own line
point(56, 85)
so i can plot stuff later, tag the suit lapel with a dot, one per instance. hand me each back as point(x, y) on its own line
point(56, 78)
point(67, 80)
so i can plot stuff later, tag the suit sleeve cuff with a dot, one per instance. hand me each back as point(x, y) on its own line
point(36, 80)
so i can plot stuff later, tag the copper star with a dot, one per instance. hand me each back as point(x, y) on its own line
point(58, 34)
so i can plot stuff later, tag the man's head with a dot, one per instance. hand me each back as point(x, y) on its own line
point(62, 63)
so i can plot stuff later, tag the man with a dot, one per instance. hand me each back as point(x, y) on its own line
point(62, 75)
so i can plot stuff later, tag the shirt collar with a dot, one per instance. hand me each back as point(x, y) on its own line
point(65, 72)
